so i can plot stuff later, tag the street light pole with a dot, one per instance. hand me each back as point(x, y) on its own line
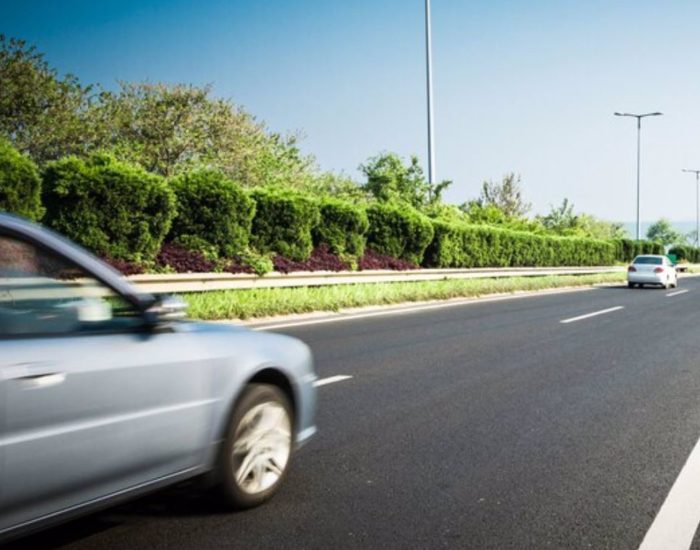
point(639, 133)
point(429, 85)
point(697, 204)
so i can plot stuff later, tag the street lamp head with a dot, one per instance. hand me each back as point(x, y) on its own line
point(656, 113)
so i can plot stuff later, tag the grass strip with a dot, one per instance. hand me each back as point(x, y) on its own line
point(266, 302)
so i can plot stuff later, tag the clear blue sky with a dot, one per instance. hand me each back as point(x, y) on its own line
point(524, 86)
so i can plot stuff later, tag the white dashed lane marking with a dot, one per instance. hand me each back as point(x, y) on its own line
point(331, 380)
point(589, 315)
point(676, 293)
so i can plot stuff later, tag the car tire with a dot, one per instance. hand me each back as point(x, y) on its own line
point(256, 452)
point(630, 285)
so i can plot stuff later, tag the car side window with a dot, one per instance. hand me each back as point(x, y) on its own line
point(42, 293)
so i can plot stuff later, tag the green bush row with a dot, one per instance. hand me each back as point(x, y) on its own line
point(464, 245)
point(20, 184)
point(687, 253)
point(627, 249)
point(124, 212)
point(398, 231)
point(112, 208)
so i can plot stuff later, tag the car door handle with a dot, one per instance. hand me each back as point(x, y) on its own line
point(34, 375)
point(36, 381)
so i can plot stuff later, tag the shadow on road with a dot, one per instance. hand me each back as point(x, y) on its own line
point(185, 500)
point(625, 287)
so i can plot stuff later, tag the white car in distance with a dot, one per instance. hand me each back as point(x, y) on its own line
point(651, 269)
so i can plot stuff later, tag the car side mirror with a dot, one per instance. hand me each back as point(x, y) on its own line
point(166, 309)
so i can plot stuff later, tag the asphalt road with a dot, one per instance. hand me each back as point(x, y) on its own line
point(489, 425)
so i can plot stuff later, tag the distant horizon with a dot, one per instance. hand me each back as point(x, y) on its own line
point(683, 226)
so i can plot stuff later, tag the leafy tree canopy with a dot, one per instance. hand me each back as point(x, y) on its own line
point(506, 195)
point(390, 179)
point(663, 232)
point(42, 114)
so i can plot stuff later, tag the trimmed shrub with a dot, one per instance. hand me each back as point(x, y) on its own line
point(651, 247)
point(398, 231)
point(627, 249)
point(342, 227)
point(211, 210)
point(686, 252)
point(283, 222)
point(464, 245)
point(20, 184)
point(115, 209)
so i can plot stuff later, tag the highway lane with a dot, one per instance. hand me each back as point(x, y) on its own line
point(489, 425)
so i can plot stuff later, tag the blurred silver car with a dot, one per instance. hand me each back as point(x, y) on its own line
point(105, 392)
point(653, 270)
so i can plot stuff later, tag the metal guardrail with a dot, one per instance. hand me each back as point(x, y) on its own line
point(203, 282)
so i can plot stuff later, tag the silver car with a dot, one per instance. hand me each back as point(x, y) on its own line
point(652, 269)
point(105, 392)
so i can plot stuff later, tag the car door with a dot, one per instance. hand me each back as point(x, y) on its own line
point(95, 402)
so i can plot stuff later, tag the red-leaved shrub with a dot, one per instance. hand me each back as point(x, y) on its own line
point(375, 260)
point(321, 259)
point(124, 267)
point(183, 260)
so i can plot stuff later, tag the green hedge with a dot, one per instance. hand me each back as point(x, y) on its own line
point(627, 249)
point(213, 211)
point(463, 245)
point(342, 226)
point(687, 253)
point(283, 222)
point(20, 184)
point(115, 209)
point(398, 231)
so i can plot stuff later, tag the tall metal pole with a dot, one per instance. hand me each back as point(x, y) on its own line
point(697, 204)
point(429, 78)
point(639, 132)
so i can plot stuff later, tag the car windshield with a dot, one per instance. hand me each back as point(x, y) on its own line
point(648, 260)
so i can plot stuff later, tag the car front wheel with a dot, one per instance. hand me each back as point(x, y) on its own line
point(255, 455)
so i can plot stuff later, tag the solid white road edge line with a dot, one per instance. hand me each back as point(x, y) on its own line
point(424, 307)
point(331, 380)
point(594, 314)
point(676, 293)
point(675, 524)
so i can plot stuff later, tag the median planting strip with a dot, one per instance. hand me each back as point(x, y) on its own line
point(168, 283)
point(268, 302)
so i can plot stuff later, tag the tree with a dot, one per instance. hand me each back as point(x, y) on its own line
point(42, 114)
point(389, 179)
point(169, 128)
point(663, 232)
point(561, 219)
point(506, 196)
point(336, 185)
point(600, 229)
